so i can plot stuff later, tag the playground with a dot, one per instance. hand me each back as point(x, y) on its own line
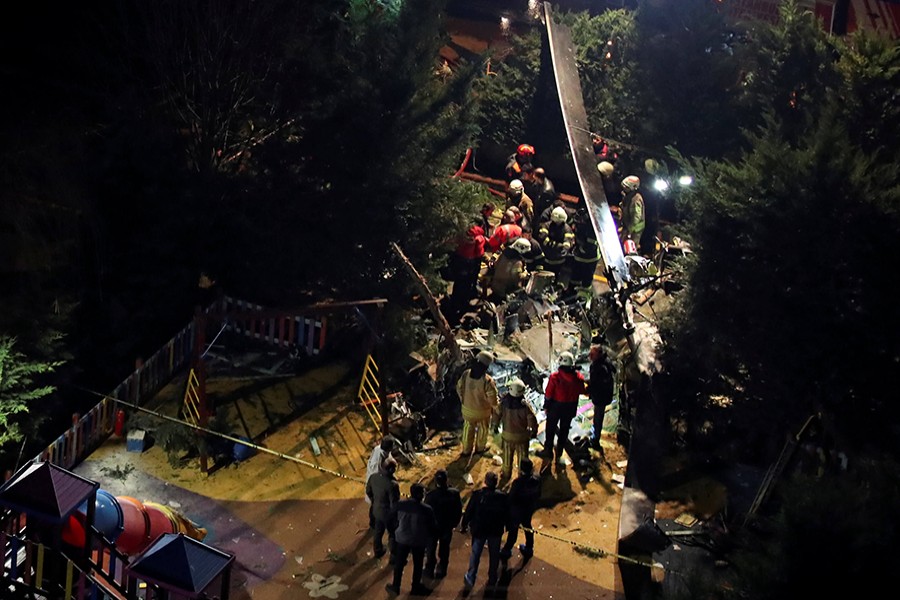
point(290, 506)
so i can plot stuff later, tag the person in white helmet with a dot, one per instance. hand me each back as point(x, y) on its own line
point(564, 387)
point(556, 239)
point(509, 269)
point(518, 425)
point(516, 197)
point(633, 218)
point(477, 392)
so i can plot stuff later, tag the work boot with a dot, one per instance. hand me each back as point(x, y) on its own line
point(526, 551)
point(440, 572)
point(392, 589)
point(419, 590)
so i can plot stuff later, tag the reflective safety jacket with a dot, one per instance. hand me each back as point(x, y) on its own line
point(478, 396)
point(556, 239)
point(503, 234)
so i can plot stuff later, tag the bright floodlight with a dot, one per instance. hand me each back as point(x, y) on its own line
point(504, 23)
point(660, 185)
point(685, 180)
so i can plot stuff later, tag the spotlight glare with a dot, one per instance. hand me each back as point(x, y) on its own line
point(660, 185)
point(685, 180)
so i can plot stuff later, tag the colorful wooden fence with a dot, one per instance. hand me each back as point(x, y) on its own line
point(306, 333)
point(149, 376)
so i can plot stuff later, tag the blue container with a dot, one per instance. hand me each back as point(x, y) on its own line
point(241, 451)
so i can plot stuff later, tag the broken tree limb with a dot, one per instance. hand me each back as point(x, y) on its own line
point(441, 321)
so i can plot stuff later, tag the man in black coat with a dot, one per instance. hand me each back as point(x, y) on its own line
point(447, 507)
point(524, 494)
point(413, 525)
point(487, 513)
point(384, 492)
point(600, 387)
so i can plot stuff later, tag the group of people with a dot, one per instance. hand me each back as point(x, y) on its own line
point(536, 230)
point(422, 525)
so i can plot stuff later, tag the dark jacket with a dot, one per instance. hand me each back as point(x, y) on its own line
point(447, 506)
point(412, 522)
point(487, 513)
point(600, 382)
point(524, 494)
point(384, 493)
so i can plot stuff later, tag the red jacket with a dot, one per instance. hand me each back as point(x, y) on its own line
point(502, 235)
point(472, 244)
point(565, 386)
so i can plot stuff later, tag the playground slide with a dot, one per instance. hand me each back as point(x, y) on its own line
point(132, 524)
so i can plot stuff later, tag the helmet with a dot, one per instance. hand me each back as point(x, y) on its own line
point(521, 245)
point(485, 358)
point(525, 149)
point(606, 168)
point(631, 183)
point(566, 359)
point(559, 215)
point(516, 185)
point(516, 386)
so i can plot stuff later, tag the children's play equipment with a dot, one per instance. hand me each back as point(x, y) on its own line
point(63, 537)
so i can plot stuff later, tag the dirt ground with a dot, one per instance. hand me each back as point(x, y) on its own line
point(298, 531)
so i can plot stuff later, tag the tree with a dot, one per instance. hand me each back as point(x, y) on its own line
point(18, 392)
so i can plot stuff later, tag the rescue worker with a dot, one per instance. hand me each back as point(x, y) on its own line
point(585, 254)
point(477, 392)
point(556, 239)
point(518, 162)
point(376, 460)
point(516, 197)
point(506, 232)
point(534, 257)
point(465, 266)
point(600, 386)
point(633, 219)
point(564, 387)
point(541, 190)
point(518, 425)
point(610, 189)
point(509, 269)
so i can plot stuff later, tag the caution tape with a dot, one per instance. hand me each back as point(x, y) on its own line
point(600, 552)
point(230, 438)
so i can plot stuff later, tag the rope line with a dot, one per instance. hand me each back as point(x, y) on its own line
point(602, 553)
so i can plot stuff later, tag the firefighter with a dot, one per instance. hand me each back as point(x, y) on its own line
point(633, 219)
point(518, 425)
point(509, 270)
point(585, 254)
point(518, 162)
point(505, 233)
point(477, 392)
point(556, 239)
point(517, 198)
point(541, 190)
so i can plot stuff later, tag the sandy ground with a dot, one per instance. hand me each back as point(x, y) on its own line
point(298, 531)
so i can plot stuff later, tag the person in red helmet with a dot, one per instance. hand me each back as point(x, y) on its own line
point(519, 162)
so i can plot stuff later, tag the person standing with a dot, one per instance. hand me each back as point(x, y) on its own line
point(518, 425)
point(505, 233)
point(487, 513)
point(556, 238)
point(376, 460)
point(564, 387)
point(541, 190)
point(477, 392)
point(516, 197)
point(413, 525)
point(517, 164)
point(585, 254)
point(633, 218)
point(447, 507)
point(524, 495)
point(600, 385)
point(384, 492)
point(509, 272)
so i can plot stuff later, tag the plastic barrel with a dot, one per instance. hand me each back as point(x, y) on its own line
point(136, 530)
point(162, 520)
point(242, 452)
point(108, 518)
point(73, 532)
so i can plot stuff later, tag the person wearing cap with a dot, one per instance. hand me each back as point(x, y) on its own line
point(477, 392)
point(518, 425)
point(564, 387)
point(633, 217)
point(507, 231)
point(447, 505)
